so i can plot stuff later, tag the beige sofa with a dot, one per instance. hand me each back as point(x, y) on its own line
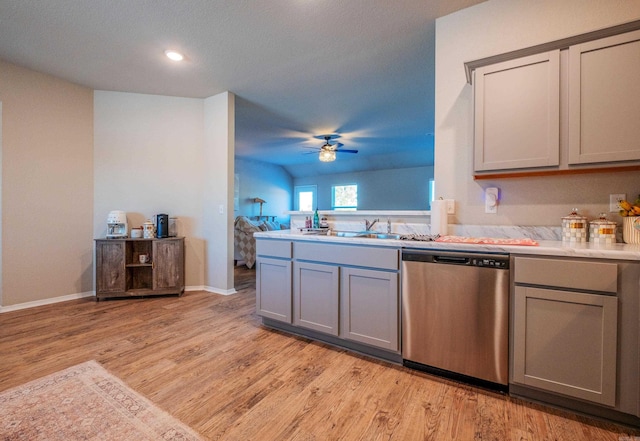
point(243, 240)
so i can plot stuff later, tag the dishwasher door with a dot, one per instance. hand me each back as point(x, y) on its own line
point(455, 310)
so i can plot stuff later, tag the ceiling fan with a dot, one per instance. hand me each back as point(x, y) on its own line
point(327, 152)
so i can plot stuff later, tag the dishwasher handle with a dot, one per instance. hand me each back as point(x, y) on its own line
point(457, 260)
point(418, 256)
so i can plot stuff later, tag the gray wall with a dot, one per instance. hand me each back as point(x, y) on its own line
point(397, 189)
point(269, 182)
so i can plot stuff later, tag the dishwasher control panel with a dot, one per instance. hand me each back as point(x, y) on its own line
point(490, 263)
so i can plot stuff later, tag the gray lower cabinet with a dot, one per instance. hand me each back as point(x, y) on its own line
point(348, 293)
point(316, 291)
point(566, 342)
point(575, 334)
point(273, 280)
point(369, 307)
point(273, 289)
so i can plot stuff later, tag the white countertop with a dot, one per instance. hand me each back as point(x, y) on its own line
point(619, 251)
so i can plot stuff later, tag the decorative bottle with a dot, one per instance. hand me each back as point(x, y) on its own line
point(316, 219)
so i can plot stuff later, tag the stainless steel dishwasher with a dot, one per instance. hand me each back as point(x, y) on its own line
point(455, 309)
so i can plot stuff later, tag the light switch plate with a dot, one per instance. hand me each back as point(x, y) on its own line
point(451, 206)
point(614, 207)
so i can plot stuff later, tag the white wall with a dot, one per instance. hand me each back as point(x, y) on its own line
point(219, 149)
point(152, 156)
point(149, 160)
point(492, 28)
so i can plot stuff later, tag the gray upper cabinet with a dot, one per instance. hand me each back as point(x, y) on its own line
point(604, 100)
point(517, 113)
point(560, 107)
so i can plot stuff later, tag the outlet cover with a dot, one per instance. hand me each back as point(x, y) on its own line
point(491, 196)
point(613, 202)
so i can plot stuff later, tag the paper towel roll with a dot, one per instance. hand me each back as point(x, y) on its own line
point(439, 218)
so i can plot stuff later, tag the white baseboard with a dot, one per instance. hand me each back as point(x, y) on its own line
point(224, 292)
point(81, 295)
point(46, 301)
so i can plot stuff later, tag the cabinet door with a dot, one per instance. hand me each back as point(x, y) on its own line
point(110, 267)
point(369, 307)
point(168, 264)
point(517, 113)
point(273, 289)
point(566, 342)
point(604, 100)
point(316, 293)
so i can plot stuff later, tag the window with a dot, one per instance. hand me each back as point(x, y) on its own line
point(344, 197)
point(305, 198)
point(432, 191)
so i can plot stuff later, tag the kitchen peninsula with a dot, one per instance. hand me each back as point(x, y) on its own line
point(574, 336)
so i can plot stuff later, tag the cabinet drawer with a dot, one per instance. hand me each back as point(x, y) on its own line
point(575, 274)
point(371, 257)
point(274, 248)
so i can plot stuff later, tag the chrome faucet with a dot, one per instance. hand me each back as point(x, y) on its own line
point(388, 226)
point(368, 225)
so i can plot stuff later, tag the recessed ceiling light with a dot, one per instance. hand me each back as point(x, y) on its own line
point(173, 55)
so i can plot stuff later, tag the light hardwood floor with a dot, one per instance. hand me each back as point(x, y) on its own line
point(207, 360)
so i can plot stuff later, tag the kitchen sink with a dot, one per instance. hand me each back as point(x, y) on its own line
point(386, 236)
point(364, 234)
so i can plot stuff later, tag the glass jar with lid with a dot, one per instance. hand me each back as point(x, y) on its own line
point(602, 231)
point(574, 227)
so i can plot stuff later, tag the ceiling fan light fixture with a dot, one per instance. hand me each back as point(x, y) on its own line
point(327, 155)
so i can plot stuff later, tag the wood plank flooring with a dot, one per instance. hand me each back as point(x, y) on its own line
point(207, 360)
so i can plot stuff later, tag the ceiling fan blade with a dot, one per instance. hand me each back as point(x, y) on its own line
point(346, 151)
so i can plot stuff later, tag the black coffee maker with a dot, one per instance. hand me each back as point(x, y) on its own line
point(162, 225)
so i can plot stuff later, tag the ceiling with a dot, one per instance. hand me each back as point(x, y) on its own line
point(299, 68)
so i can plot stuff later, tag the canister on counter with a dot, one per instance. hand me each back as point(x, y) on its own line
point(574, 227)
point(602, 231)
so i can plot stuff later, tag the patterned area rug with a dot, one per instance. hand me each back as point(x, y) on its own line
point(84, 402)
